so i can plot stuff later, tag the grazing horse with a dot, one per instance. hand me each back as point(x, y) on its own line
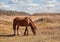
point(26, 21)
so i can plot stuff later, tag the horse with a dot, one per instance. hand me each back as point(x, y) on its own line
point(26, 21)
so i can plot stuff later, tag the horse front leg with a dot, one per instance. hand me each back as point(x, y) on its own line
point(26, 31)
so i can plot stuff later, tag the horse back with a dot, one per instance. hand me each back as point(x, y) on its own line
point(22, 21)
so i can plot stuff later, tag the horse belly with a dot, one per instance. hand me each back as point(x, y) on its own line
point(23, 24)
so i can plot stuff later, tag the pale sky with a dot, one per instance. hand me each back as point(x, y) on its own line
point(31, 6)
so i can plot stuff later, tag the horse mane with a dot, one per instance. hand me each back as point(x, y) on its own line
point(29, 19)
point(33, 27)
point(32, 23)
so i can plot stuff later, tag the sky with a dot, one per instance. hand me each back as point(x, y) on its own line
point(31, 6)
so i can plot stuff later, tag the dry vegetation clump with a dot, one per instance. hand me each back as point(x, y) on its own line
point(5, 22)
point(44, 20)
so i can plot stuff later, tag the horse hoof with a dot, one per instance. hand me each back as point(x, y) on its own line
point(34, 34)
point(14, 34)
point(18, 34)
point(25, 35)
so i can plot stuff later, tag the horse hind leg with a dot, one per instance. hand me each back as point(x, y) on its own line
point(18, 30)
point(14, 28)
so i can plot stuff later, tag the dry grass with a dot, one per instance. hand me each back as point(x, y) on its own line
point(48, 29)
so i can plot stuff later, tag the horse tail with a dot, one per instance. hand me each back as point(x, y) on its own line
point(14, 25)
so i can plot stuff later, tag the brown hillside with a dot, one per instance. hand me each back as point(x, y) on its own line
point(9, 13)
point(43, 14)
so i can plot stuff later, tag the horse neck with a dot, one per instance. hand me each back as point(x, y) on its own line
point(32, 24)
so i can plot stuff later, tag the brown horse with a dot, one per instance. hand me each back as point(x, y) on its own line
point(26, 21)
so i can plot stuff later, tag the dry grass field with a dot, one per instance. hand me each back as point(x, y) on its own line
point(48, 29)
